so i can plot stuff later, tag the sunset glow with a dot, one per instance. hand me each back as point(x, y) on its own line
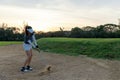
point(44, 15)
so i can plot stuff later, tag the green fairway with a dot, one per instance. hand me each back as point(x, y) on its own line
point(3, 43)
point(99, 48)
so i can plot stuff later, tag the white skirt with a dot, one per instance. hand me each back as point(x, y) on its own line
point(27, 47)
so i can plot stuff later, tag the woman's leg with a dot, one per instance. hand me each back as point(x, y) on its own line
point(29, 57)
point(27, 60)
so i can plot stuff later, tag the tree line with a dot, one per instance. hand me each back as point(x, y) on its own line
point(101, 31)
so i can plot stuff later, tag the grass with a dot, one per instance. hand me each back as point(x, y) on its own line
point(4, 43)
point(98, 48)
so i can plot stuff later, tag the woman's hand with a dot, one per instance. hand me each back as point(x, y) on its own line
point(37, 46)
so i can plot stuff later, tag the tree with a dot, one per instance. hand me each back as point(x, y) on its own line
point(111, 27)
point(89, 32)
point(76, 32)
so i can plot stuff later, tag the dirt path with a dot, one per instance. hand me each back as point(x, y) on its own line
point(65, 67)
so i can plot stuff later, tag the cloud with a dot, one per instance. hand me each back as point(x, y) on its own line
point(59, 12)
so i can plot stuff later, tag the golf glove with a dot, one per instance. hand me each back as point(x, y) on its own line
point(37, 46)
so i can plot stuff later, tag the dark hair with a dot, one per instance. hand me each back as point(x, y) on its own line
point(27, 27)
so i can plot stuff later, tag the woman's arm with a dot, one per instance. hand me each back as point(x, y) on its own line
point(34, 40)
point(34, 46)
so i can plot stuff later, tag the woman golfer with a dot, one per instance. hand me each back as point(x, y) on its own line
point(29, 42)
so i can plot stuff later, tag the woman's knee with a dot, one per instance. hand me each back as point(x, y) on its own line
point(30, 55)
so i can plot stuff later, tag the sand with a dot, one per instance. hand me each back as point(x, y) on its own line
point(64, 67)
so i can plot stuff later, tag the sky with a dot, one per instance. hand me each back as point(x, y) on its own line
point(50, 15)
